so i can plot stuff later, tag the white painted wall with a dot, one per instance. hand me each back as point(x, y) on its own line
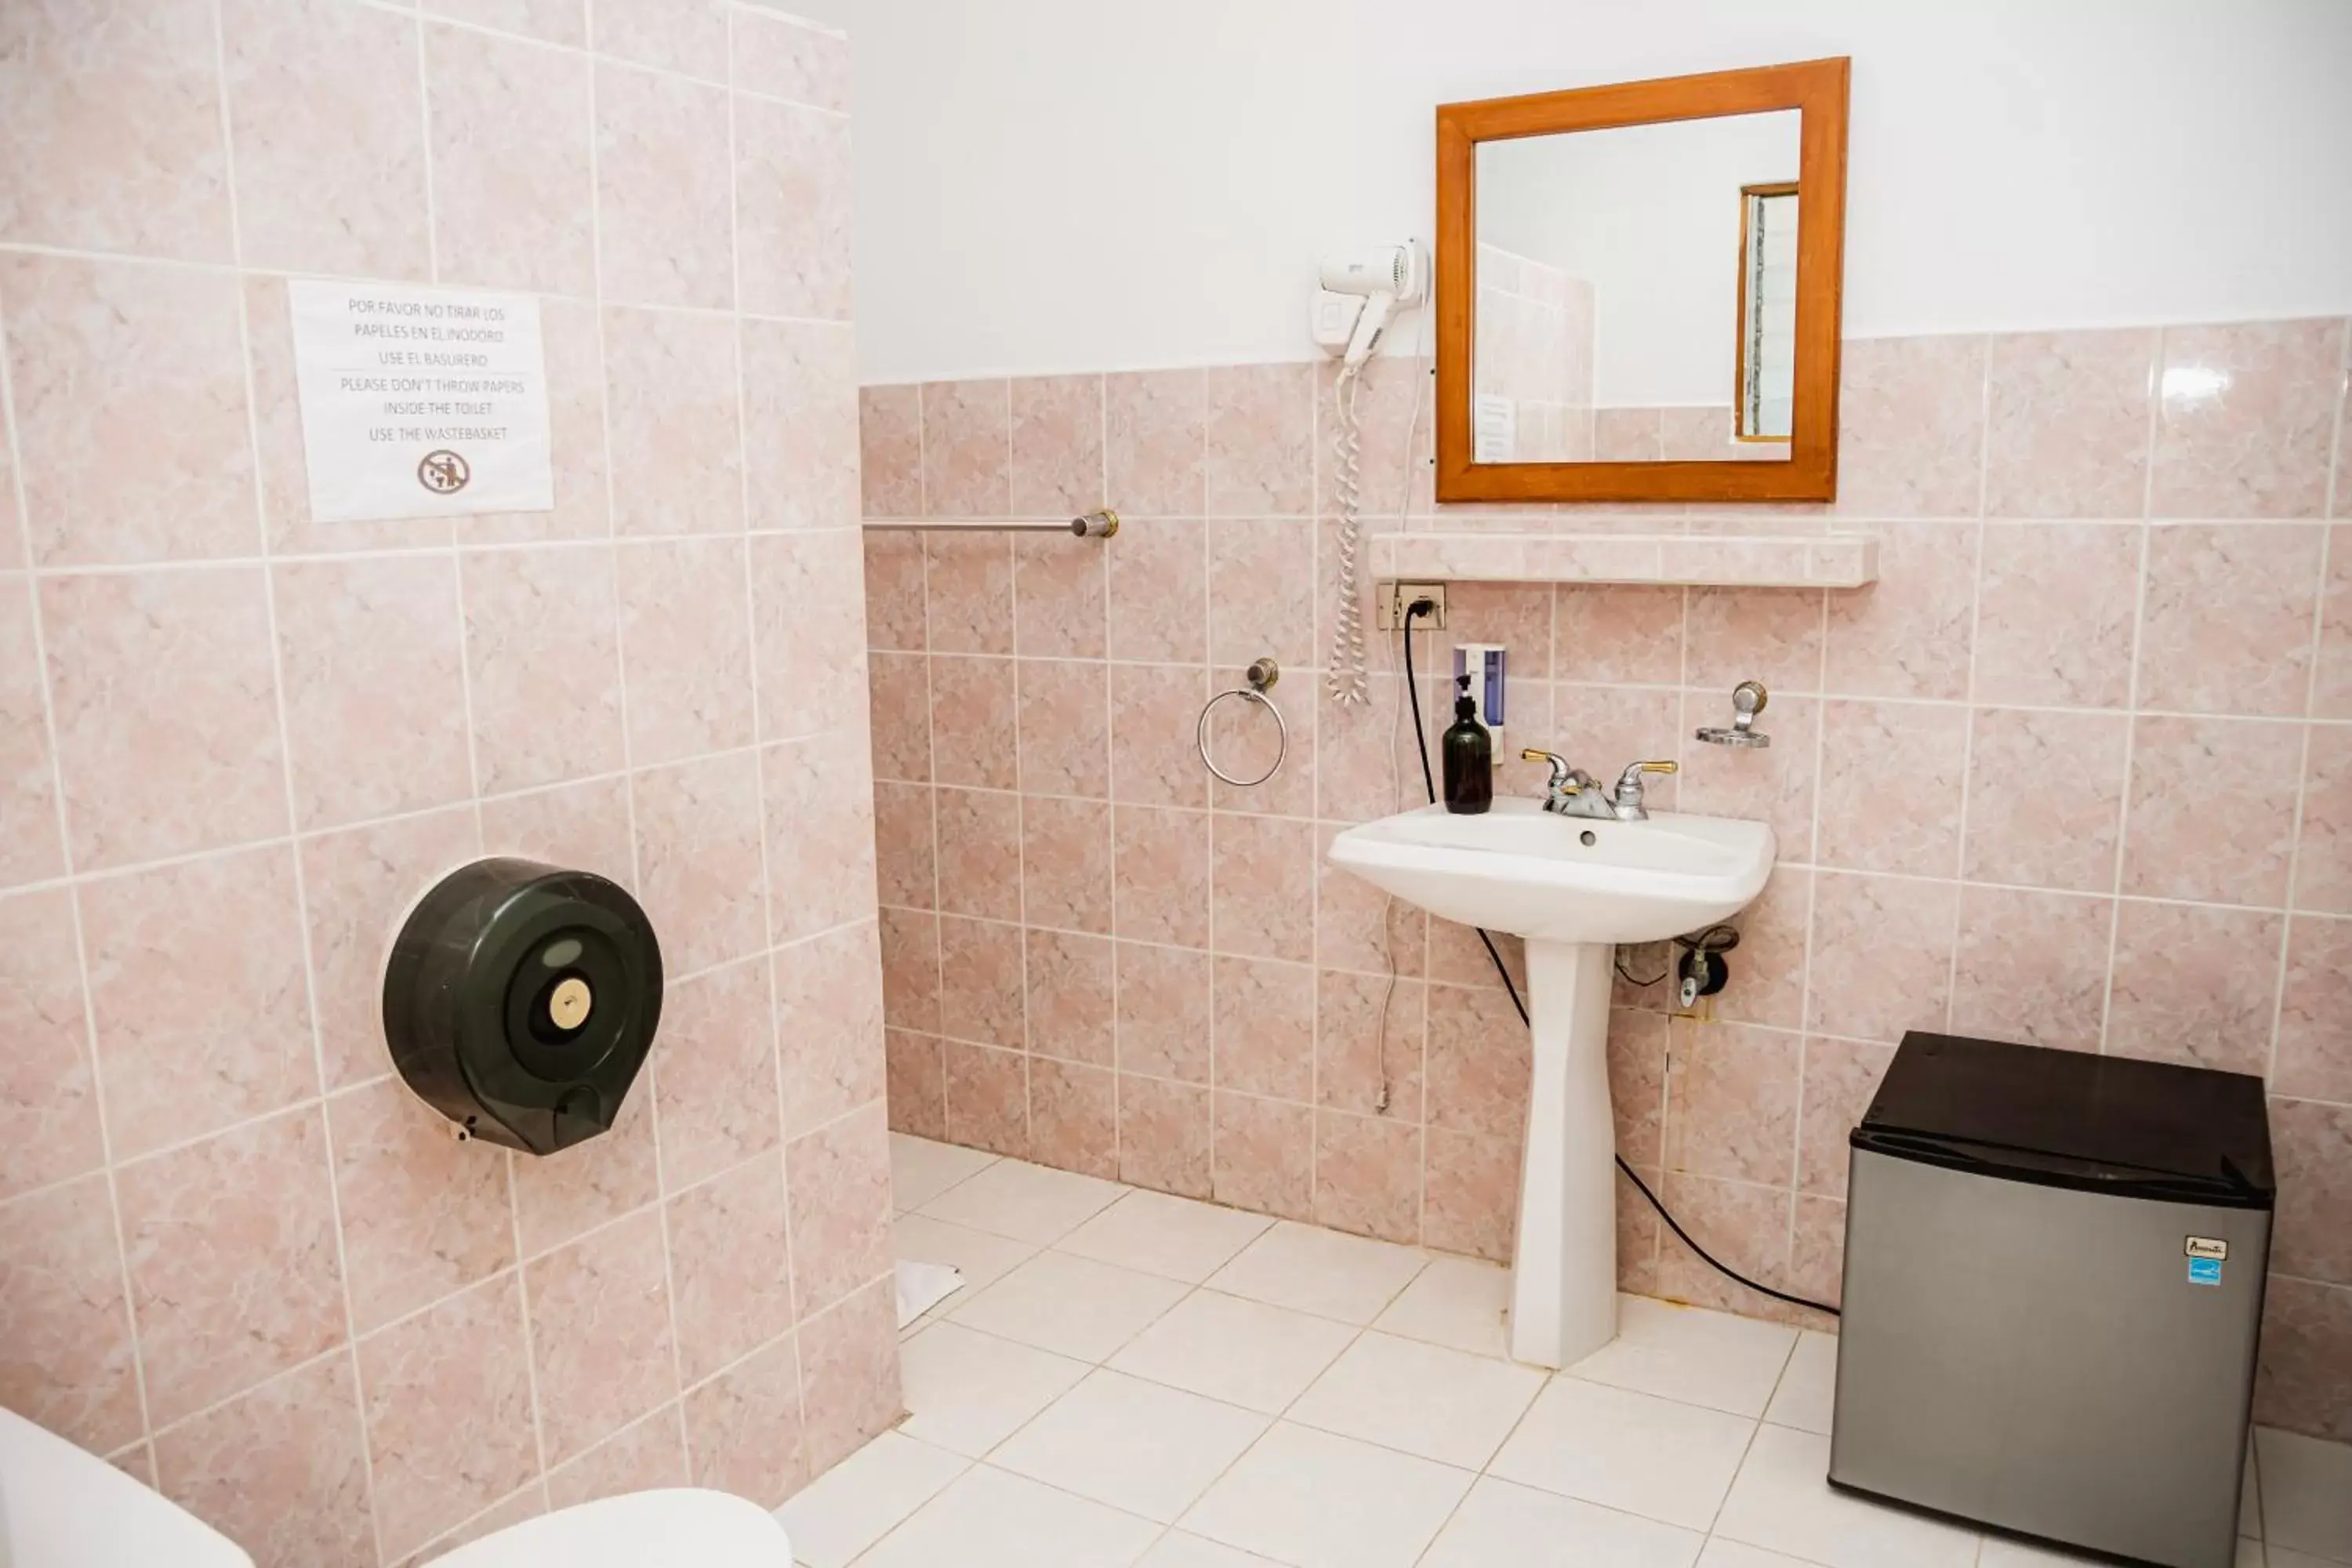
point(1649, 216)
point(1052, 185)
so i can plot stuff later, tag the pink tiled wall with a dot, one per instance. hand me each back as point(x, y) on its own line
point(1535, 348)
point(2077, 770)
point(1676, 433)
point(235, 1255)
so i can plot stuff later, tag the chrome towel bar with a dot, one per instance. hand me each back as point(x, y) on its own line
point(1093, 525)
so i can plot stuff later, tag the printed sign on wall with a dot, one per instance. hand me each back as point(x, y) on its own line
point(1495, 428)
point(420, 402)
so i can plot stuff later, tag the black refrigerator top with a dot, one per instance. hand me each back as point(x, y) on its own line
point(2109, 1124)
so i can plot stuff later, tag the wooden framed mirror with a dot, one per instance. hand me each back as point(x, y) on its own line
point(1638, 289)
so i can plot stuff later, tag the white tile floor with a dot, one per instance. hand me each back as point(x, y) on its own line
point(1134, 1381)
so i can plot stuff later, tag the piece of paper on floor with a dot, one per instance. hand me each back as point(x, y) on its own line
point(922, 1286)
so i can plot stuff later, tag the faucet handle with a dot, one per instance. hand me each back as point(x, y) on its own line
point(1564, 775)
point(1629, 783)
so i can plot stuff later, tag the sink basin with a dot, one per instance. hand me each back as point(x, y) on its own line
point(1563, 878)
point(1574, 888)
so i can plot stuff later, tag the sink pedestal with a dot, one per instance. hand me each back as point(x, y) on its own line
point(1564, 1263)
point(1573, 888)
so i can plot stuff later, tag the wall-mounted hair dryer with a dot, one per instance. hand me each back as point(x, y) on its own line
point(1359, 296)
point(1361, 293)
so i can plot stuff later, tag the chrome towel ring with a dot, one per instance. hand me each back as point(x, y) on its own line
point(1263, 673)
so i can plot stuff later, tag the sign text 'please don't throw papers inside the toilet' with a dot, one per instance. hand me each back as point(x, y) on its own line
point(420, 402)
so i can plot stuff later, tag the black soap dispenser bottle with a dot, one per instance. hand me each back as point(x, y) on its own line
point(1469, 756)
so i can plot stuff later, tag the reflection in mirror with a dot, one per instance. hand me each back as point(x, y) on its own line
point(1619, 315)
point(1768, 311)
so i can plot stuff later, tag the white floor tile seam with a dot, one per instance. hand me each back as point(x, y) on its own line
point(895, 1208)
point(1753, 1433)
point(1166, 1529)
point(1006, 1235)
point(999, 1446)
point(1403, 1286)
point(946, 1309)
point(1232, 1295)
point(1356, 1333)
point(1746, 1452)
point(875, 1548)
point(1704, 1538)
point(925, 1209)
point(1271, 1434)
point(1455, 1512)
point(1091, 1361)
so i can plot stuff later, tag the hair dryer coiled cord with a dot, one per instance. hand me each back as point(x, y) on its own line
point(1349, 677)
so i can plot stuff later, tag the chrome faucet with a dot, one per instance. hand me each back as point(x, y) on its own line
point(1567, 784)
point(1572, 792)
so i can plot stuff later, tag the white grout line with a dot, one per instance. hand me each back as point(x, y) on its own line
point(922, 548)
point(1968, 725)
point(1796, 1157)
point(1009, 545)
point(2132, 691)
point(587, 51)
point(2318, 647)
point(1117, 1031)
point(91, 1056)
point(424, 146)
point(1208, 786)
point(293, 817)
point(529, 1334)
point(245, 272)
point(463, 546)
point(350, 1348)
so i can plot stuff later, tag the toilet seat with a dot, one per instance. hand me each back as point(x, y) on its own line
point(61, 1507)
point(676, 1526)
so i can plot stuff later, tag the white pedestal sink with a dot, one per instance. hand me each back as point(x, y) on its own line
point(1574, 888)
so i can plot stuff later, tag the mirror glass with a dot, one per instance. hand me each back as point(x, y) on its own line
point(1635, 293)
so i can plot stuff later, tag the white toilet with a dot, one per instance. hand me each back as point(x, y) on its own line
point(61, 1507)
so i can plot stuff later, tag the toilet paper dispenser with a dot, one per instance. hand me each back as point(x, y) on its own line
point(521, 1000)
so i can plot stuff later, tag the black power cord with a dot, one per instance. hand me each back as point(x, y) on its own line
point(1428, 784)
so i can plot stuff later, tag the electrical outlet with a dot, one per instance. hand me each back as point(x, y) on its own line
point(1389, 605)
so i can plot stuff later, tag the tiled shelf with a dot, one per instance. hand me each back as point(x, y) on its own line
point(1732, 561)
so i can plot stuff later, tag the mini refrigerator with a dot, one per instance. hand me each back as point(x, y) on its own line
point(2053, 1286)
